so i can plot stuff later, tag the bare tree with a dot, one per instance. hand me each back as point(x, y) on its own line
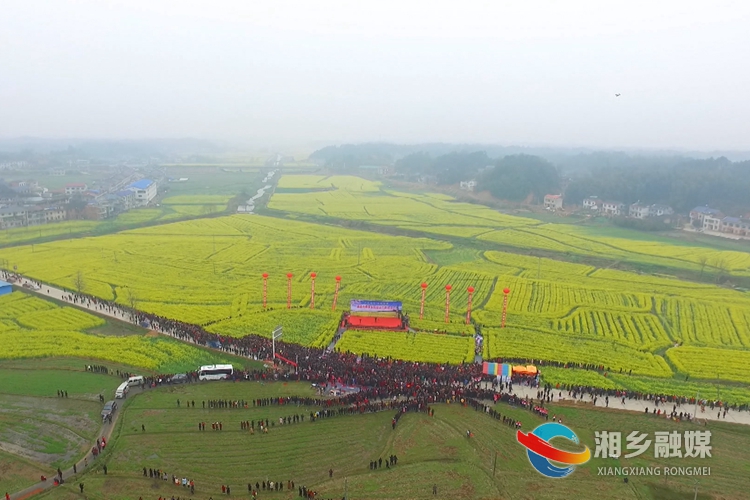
point(132, 299)
point(79, 282)
point(722, 269)
point(702, 260)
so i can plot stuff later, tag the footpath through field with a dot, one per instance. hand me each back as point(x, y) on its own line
point(82, 466)
point(639, 406)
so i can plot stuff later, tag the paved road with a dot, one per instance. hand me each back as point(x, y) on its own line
point(740, 417)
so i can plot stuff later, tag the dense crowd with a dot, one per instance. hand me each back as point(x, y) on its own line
point(380, 377)
point(431, 382)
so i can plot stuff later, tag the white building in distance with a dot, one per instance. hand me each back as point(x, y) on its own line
point(145, 191)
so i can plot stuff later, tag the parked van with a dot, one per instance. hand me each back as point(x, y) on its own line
point(122, 391)
point(137, 380)
point(108, 409)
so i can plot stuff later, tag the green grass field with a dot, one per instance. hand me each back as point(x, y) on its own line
point(213, 181)
point(431, 451)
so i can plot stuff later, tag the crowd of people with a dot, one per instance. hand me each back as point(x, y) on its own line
point(384, 384)
point(186, 483)
point(547, 393)
point(391, 461)
point(402, 378)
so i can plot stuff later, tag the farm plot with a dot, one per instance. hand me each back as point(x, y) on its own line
point(34, 328)
point(711, 363)
point(409, 346)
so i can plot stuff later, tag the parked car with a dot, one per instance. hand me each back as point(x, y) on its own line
point(180, 378)
point(109, 409)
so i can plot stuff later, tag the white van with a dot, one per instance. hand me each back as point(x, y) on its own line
point(122, 391)
point(137, 380)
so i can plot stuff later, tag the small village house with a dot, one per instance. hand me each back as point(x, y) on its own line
point(638, 211)
point(698, 214)
point(553, 201)
point(592, 203)
point(613, 208)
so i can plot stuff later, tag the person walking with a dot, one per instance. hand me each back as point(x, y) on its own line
point(80, 485)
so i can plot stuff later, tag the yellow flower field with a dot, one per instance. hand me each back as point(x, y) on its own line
point(209, 271)
point(31, 327)
point(409, 346)
point(354, 198)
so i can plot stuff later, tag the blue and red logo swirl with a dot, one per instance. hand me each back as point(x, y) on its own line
point(541, 452)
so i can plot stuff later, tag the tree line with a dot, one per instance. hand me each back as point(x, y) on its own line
point(514, 174)
point(683, 184)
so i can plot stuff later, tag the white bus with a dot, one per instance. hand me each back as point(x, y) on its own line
point(215, 372)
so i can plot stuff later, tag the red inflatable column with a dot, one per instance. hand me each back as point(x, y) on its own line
point(421, 307)
point(312, 290)
point(336, 293)
point(289, 290)
point(468, 309)
point(506, 291)
point(265, 289)
point(447, 303)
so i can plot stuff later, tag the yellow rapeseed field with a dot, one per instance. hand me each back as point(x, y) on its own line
point(209, 271)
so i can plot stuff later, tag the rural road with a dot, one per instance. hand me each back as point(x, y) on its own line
point(84, 464)
point(733, 416)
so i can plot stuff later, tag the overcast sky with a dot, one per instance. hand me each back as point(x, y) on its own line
point(297, 71)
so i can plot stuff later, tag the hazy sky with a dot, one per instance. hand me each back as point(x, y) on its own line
point(286, 71)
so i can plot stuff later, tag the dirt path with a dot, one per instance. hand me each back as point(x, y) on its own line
point(86, 463)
